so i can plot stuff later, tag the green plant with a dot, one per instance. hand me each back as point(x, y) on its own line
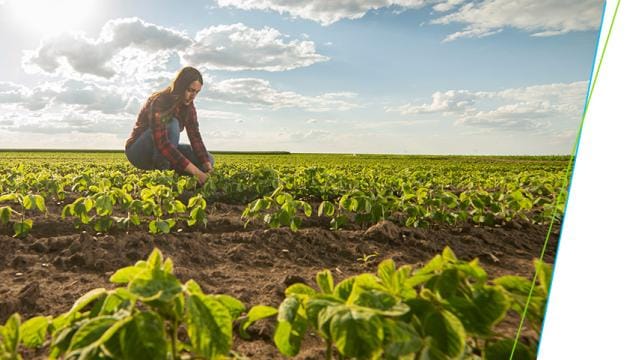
point(22, 225)
point(139, 321)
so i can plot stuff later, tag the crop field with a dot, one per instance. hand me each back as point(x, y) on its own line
point(310, 256)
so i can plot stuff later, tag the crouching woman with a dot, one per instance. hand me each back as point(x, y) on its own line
point(154, 142)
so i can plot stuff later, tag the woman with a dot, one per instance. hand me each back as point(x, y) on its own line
point(154, 141)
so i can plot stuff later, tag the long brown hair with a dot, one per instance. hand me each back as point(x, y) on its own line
point(173, 95)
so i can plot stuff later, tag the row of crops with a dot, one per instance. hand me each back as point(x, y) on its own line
point(283, 191)
point(448, 309)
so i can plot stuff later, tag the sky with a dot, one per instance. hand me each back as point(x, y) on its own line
point(503, 77)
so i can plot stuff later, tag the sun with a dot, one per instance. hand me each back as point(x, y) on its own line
point(51, 16)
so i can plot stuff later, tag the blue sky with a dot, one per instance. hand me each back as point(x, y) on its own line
point(349, 76)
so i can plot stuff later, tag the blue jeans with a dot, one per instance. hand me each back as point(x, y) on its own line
point(143, 153)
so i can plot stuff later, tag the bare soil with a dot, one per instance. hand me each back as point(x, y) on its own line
point(56, 263)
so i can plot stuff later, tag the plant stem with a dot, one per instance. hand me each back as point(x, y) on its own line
point(174, 339)
point(327, 354)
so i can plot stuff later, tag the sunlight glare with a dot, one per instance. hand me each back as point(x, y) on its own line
point(51, 17)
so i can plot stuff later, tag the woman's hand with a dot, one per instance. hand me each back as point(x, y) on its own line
point(193, 170)
point(202, 177)
point(207, 167)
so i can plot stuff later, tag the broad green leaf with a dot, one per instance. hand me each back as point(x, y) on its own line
point(22, 228)
point(300, 289)
point(10, 334)
point(344, 288)
point(91, 331)
point(357, 334)
point(155, 285)
point(126, 274)
point(39, 202)
point(208, 325)
point(258, 312)
point(235, 306)
point(288, 309)
point(290, 328)
point(5, 214)
point(34, 331)
point(446, 335)
point(482, 311)
point(324, 279)
point(400, 339)
point(87, 299)
point(143, 338)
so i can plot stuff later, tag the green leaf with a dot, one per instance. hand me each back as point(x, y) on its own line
point(22, 228)
point(400, 338)
point(324, 279)
point(5, 214)
point(126, 274)
point(256, 313)
point(386, 272)
point(482, 311)
point(308, 210)
point(291, 327)
point(8, 197)
point(357, 333)
point(326, 208)
point(288, 309)
point(545, 273)
point(28, 202)
point(143, 338)
point(155, 285)
point(446, 335)
point(39, 201)
point(235, 306)
point(344, 288)
point(10, 334)
point(155, 259)
point(208, 325)
point(502, 350)
point(91, 331)
point(34, 331)
point(300, 290)
point(86, 299)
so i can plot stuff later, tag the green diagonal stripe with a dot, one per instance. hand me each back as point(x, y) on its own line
point(566, 179)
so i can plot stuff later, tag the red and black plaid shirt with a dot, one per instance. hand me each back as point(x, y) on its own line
point(187, 118)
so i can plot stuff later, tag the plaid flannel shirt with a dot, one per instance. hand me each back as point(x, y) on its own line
point(187, 118)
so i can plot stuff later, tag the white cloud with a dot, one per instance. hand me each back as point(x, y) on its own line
point(76, 94)
point(259, 93)
point(447, 101)
point(520, 109)
point(77, 53)
point(538, 17)
point(238, 47)
point(321, 11)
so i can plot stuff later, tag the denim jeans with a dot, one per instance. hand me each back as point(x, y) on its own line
point(143, 153)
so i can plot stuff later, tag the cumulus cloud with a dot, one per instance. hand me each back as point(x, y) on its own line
point(520, 109)
point(259, 93)
point(321, 11)
point(480, 18)
point(441, 101)
point(133, 48)
point(238, 47)
point(76, 94)
point(93, 56)
point(538, 17)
